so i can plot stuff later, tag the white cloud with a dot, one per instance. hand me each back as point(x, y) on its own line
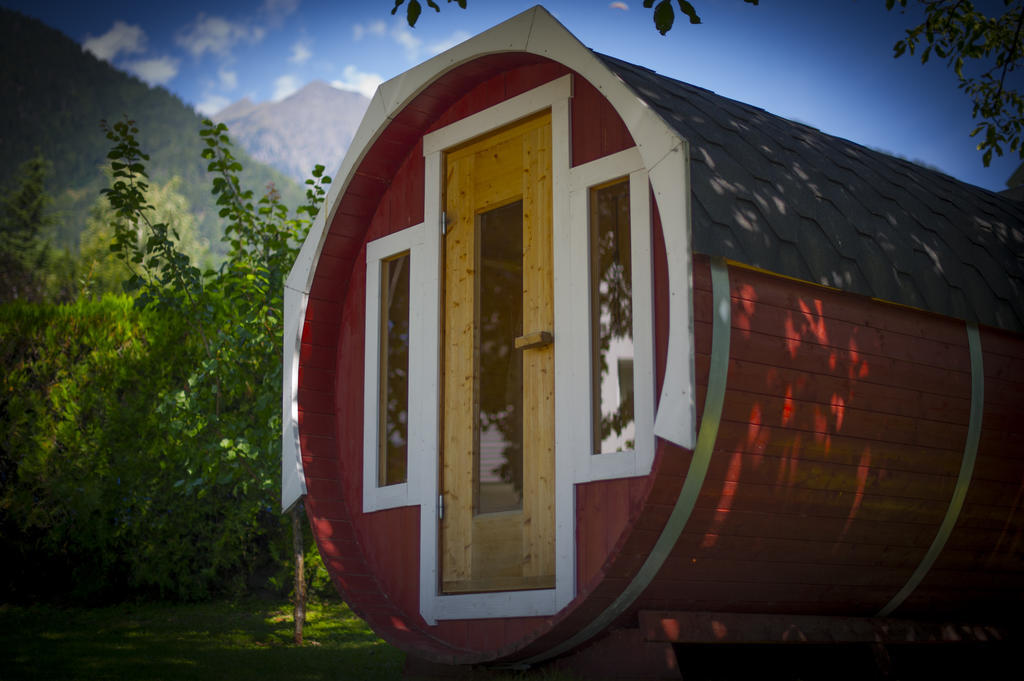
point(284, 86)
point(216, 35)
point(278, 9)
point(354, 79)
point(156, 71)
point(376, 28)
point(120, 38)
point(228, 79)
point(449, 42)
point(212, 104)
point(619, 5)
point(300, 53)
point(399, 34)
point(410, 43)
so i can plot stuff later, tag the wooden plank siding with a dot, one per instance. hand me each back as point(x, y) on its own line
point(842, 435)
point(596, 130)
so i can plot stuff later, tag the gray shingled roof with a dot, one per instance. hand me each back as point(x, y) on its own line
point(788, 198)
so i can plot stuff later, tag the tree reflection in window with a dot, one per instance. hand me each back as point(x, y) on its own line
point(499, 450)
point(394, 371)
point(611, 296)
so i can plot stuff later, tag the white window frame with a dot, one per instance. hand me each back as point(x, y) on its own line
point(410, 240)
point(434, 606)
point(590, 464)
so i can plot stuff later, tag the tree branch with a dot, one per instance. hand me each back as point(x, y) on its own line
point(1013, 52)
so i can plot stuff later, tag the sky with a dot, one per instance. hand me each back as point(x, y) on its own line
point(825, 63)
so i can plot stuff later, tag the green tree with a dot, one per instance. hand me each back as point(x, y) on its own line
point(100, 497)
point(984, 51)
point(102, 272)
point(24, 221)
point(227, 417)
point(139, 437)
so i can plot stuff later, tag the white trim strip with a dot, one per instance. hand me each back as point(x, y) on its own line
point(676, 417)
point(293, 481)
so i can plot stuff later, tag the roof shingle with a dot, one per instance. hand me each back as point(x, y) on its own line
point(860, 220)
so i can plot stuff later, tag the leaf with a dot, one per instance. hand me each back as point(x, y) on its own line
point(687, 9)
point(664, 16)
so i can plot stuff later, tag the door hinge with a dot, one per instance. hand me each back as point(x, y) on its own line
point(444, 223)
point(440, 507)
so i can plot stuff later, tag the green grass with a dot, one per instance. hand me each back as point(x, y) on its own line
point(248, 640)
point(251, 640)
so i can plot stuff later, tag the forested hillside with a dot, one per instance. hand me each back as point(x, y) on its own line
point(55, 96)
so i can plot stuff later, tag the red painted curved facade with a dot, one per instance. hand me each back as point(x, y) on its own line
point(840, 444)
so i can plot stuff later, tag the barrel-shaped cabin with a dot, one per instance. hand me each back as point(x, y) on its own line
point(576, 350)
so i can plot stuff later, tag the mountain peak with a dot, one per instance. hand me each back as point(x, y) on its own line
point(235, 109)
point(318, 86)
point(313, 125)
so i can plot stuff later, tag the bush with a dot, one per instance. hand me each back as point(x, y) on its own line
point(139, 437)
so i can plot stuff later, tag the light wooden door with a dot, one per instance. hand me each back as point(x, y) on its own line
point(497, 443)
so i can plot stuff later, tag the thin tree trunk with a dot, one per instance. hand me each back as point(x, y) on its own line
point(300, 572)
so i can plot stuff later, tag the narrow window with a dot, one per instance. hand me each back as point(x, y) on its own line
point(611, 296)
point(499, 470)
point(393, 434)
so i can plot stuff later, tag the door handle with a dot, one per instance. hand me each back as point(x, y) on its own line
point(537, 339)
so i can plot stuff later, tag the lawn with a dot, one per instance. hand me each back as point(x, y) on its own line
point(249, 640)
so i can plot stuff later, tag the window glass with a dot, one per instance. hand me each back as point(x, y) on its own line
point(394, 371)
point(611, 295)
point(499, 477)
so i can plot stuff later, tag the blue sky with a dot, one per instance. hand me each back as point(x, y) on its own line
point(828, 63)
